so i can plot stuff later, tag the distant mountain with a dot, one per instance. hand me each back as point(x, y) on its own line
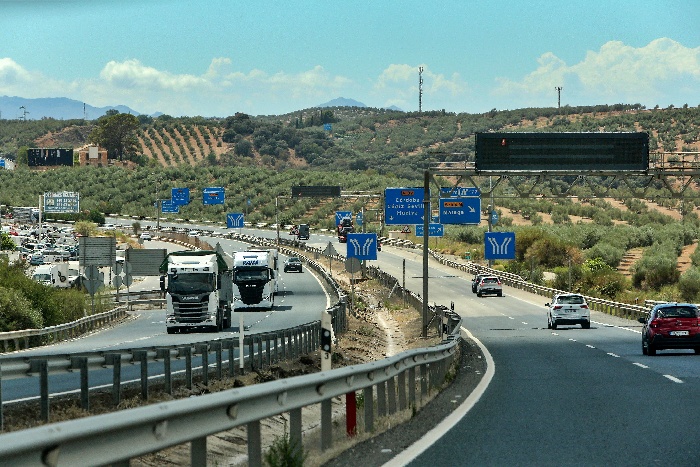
point(342, 102)
point(60, 108)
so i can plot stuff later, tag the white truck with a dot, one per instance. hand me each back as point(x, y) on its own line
point(55, 275)
point(255, 274)
point(198, 290)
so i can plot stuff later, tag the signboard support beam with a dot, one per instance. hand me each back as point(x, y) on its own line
point(426, 245)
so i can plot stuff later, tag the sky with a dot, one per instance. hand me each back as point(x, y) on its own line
point(214, 58)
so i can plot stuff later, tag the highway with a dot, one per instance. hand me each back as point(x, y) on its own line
point(557, 397)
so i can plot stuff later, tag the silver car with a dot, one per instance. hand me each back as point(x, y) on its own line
point(489, 285)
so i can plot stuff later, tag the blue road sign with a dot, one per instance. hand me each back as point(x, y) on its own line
point(494, 217)
point(213, 195)
point(460, 210)
point(234, 220)
point(180, 196)
point(328, 127)
point(167, 205)
point(403, 206)
point(362, 246)
point(434, 230)
point(2, 162)
point(359, 218)
point(499, 245)
point(340, 215)
point(460, 192)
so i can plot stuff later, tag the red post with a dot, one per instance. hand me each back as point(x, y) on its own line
point(351, 414)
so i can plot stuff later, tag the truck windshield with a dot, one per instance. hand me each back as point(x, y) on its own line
point(190, 283)
point(245, 275)
point(42, 277)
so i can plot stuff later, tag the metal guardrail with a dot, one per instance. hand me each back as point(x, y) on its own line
point(117, 437)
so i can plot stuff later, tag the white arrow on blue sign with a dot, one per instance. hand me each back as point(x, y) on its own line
point(234, 220)
point(362, 246)
point(434, 230)
point(460, 210)
point(460, 192)
point(340, 215)
point(404, 206)
point(499, 245)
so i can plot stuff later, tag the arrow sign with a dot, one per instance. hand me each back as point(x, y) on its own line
point(234, 220)
point(434, 230)
point(340, 215)
point(460, 210)
point(403, 206)
point(499, 245)
point(460, 192)
point(362, 246)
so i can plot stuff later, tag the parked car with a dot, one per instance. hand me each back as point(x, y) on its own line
point(671, 326)
point(489, 285)
point(145, 236)
point(36, 259)
point(292, 264)
point(476, 280)
point(568, 308)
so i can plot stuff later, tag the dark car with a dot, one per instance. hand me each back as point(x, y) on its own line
point(476, 280)
point(292, 264)
point(671, 326)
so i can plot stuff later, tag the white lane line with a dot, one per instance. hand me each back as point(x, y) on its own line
point(640, 365)
point(524, 323)
point(510, 317)
point(590, 346)
point(572, 340)
point(613, 355)
point(673, 378)
point(433, 436)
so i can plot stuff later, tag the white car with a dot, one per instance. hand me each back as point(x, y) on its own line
point(145, 236)
point(568, 308)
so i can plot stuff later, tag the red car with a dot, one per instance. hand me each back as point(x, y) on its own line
point(671, 326)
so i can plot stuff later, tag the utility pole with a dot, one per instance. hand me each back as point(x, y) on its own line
point(558, 88)
point(420, 89)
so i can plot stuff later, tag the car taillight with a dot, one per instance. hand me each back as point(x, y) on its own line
point(653, 324)
point(584, 306)
point(498, 282)
point(557, 307)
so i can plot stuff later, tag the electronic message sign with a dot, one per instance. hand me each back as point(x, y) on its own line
point(63, 202)
point(562, 151)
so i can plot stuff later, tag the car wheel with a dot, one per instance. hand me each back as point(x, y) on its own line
point(644, 349)
point(586, 325)
point(500, 294)
point(651, 350)
point(554, 324)
point(171, 330)
point(479, 294)
point(697, 350)
point(549, 322)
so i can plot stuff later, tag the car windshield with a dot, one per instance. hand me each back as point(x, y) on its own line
point(490, 280)
point(677, 312)
point(571, 300)
point(294, 260)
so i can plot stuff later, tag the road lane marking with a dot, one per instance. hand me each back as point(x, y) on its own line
point(613, 355)
point(673, 378)
point(640, 365)
point(590, 346)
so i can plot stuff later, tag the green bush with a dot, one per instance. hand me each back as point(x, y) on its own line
point(689, 285)
point(16, 312)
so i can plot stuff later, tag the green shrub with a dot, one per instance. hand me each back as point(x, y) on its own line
point(16, 312)
point(689, 285)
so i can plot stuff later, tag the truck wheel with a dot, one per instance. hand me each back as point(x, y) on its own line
point(171, 330)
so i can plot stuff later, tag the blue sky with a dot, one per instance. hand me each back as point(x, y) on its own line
point(218, 57)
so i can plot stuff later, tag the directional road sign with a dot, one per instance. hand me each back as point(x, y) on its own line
point(460, 210)
point(434, 230)
point(459, 192)
point(358, 218)
point(167, 205)
point(499, 245)
point(362, 246)
point(234, 220)
point(213, 195)
point(403, 206)
point(180, 196)
point(340, 215)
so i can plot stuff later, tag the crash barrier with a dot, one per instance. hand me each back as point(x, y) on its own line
point(623, 310)
point(395, 383)
point(263, 350)
point(24, 339)
point(127, 434)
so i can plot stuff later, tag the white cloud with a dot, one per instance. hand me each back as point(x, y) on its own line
point(615, 73)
